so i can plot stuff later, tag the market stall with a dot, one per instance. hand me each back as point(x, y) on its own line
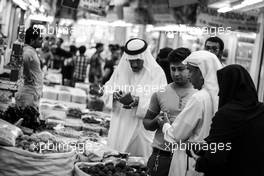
point(62, 138)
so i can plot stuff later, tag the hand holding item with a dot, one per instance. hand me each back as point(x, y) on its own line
point(117, 95)
point(126, 99)
point(133, 103)
point(162, 118)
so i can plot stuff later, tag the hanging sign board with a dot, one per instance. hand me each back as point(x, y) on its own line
point(234, 21)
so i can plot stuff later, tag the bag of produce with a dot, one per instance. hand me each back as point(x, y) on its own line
point(8, 133)
point(16, 161)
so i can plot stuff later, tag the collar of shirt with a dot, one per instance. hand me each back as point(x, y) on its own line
point(30, 47)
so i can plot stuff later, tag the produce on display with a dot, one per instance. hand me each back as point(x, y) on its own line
point(64, 96)
point(74, 112)
point(43, 142)
point(111, 169)
point(95, 103)
point(29, 114)
point(69, 132)
point(91, 119)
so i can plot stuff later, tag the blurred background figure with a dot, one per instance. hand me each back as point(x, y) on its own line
point(80, 65)
point(69, 67)
point(162, 59)
point(215, 45)
point(111, 63)
point(59, 56)
point(95, 72)
point(45, 54)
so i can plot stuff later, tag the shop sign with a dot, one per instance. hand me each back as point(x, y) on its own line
point(94, 6)
point(163, 18)
point(234, 21)
point(186, 14)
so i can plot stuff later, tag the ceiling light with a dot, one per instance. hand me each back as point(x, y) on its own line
point(243, 4)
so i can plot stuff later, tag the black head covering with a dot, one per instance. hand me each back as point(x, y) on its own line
point(238, 103)
point(236, 86)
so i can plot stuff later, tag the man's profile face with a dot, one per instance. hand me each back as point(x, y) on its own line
point(136, 65)
point(214, 48)
point(196, 77)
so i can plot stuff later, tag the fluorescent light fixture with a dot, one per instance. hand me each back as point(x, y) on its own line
point(120, 23)
point(245, 3)
point(224, 9)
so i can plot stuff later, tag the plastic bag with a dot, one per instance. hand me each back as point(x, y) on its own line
point(8, 133)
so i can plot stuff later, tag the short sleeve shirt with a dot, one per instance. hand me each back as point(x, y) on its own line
point(168, 101)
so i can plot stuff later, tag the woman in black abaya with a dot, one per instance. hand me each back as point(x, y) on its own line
point(239, 121)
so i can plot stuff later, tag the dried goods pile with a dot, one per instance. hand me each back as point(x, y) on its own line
point(120, 169)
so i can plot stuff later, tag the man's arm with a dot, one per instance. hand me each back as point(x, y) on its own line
point(150, 121)
point(185, 123)
point(27, 58)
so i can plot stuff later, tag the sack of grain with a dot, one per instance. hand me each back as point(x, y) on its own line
point(8, 133)
point(22, 162)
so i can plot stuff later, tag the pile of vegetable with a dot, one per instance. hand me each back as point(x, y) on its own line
point(43, 142)
point(91, 119)
point(120, 169)
point(74, 112)
point(29, 114)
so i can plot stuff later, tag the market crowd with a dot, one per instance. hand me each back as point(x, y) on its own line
point(76, 64)
point(201, 101)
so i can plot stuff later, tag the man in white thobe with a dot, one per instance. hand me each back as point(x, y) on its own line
point(139, 74)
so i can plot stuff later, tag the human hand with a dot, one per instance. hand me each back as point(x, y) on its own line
point(194, 156)
point(133, 104)
point(162, 118)
point(117, 95)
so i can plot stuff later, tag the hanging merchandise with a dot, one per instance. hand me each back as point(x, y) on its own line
point(3, 44)
point(16, 59)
